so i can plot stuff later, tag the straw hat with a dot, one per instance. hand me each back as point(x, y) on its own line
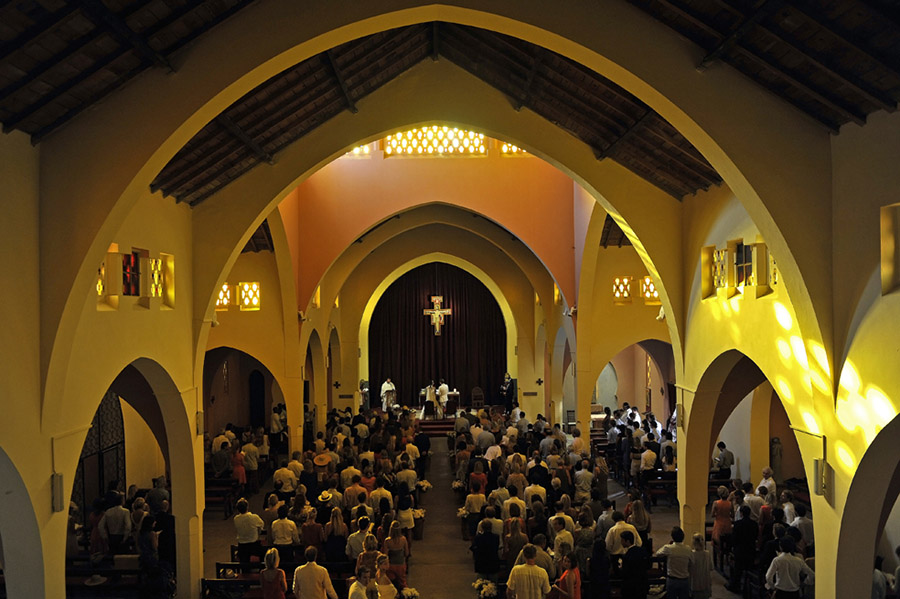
point(95, 580)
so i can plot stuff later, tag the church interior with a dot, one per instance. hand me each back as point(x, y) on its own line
point(213, 208)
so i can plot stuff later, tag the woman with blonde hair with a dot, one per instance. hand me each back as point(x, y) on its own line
point(640, 519)
point(386, 588)
point(271, 578)
point(336, 533)
point(700, 567)
point(397, 549)
point(370, 553)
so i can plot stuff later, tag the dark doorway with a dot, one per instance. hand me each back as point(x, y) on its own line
point(257, 390)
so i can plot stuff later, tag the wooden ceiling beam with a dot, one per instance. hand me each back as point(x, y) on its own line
point(79, 45)
point(210, 178)
point(97, 12)
point(679, 159)
point(877, 97)
point(208, 25)
point(848, 39)
point(13, 121)
point(235, 130)
point(686, 155)
point(47, 129)
point(435, 41)
point(351, 105)
point(849, 113)
point(748, 22)
point(631, 131)
point(820, 61)
point(37, 30)
point(837, 105)
point(528, 88)
point(658, 177)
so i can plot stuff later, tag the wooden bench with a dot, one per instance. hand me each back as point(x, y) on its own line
point(221, 493)
point(666, 488)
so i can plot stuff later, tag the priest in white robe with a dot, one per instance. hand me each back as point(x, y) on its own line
point(388, 394)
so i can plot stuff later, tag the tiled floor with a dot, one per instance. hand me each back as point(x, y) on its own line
point(441, 565)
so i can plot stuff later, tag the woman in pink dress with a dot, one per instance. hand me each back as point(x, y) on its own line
point(272, 579)
point(723, 518)
point(237, 467)
point(569, 584)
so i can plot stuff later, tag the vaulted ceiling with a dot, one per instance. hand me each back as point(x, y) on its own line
point(835, 60)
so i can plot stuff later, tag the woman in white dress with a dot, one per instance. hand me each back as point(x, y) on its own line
point(386, 588)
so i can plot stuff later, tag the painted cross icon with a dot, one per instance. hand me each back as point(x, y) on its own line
point(437, 313)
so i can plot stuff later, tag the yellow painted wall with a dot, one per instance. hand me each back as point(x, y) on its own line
point(143, 458)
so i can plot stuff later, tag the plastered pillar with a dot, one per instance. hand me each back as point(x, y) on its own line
point(759, 430)
point(293, 400)
point(693, 466)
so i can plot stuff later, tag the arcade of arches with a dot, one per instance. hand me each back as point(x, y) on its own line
point(776, 289)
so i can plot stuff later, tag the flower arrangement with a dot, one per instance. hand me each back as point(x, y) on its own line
point(423, 485)
point(462, 513)
point(418, 513)
point(409, 593)
point(486, 589)
point(458, 485)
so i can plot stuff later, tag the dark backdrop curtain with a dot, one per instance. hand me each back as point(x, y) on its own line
point(470, 351)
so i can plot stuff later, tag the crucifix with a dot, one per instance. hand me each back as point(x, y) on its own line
point(437, 313)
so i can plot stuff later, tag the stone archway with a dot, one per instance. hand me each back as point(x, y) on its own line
point(873, 492)
point(23, 556)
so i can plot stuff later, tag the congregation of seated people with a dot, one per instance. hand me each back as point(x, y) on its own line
point(341, 514)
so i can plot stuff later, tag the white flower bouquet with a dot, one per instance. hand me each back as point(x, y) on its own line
point(409, 593)
point(458, 485)
point(462, 513)
point(486, 589)
point(423, 485)
point(418, 513)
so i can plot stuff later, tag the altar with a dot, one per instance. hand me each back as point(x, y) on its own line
point(451, 396)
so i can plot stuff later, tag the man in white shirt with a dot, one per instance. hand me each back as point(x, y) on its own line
point(490, 514)
point(614, 536)
point(443, 391)
point(522, 423)
point(312, 581)
point(355, 540)
point(251, 464)
point(805, 526)
point(115, 525)
point(787, 504)
point(359, 586)
point(561, 536)
point(767, 481)
point(295, 465)
point(247, 525)
point(787, 570)
point(535, 489)
point(678, 558)
point(513, 499)
point(753, 500)
point(285, 476)
point(528, 581)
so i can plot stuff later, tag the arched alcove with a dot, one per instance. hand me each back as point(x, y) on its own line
point(237, 389)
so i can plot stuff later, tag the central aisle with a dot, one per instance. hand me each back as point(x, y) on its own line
point(441, 564)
